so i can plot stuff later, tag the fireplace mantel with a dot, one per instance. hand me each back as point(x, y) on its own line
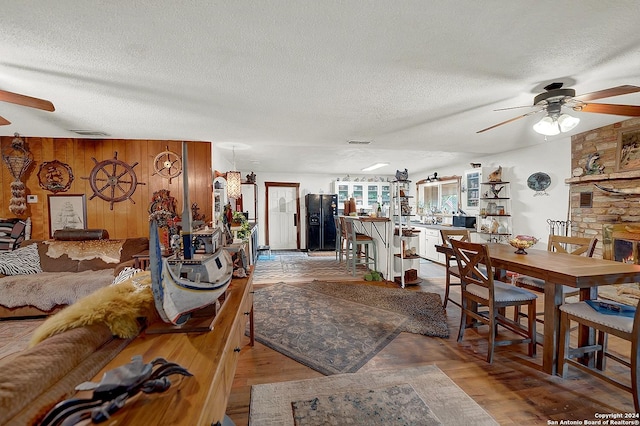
point(634, 174)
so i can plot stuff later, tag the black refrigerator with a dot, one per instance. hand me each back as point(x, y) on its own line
point(321, 227)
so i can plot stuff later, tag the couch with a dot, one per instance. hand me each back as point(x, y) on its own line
point(71, 347)
point(42, 276)
point(34, 380)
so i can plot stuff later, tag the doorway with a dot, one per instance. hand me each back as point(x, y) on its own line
point(282, 218)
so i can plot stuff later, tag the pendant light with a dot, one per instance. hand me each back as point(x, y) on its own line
point(234, 180)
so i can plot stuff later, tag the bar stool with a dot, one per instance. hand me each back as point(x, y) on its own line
point(340, 238)
point(355, 242)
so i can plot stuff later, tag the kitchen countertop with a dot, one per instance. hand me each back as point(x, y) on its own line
point(436, 226)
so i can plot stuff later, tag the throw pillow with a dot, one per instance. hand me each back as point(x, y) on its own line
point(22, 261)
point(125, 274)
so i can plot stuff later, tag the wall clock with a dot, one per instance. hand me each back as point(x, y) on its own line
point(113, 180)
point(55, 176)
point(539, 182)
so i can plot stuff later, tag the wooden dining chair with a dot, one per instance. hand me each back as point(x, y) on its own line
point(357, 247)
point(480, 289)
point(627, 328)
point(559, 244)
point(450, 263)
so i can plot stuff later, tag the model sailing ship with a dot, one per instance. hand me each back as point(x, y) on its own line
point(185, 283)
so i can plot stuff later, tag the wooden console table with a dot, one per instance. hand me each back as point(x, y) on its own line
point(210, 356)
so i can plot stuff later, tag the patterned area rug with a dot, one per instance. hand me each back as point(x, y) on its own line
point(338, 327)
point(293, 266)
point(389, 397)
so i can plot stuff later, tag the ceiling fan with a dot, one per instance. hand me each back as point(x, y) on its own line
point(23, 100)
point(555, 98)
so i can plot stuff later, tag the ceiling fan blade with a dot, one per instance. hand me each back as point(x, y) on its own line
point(607, 93)
point(516, 107)
point(24, 100)
point(510, 120)
point(628, 110)
point(4, 121)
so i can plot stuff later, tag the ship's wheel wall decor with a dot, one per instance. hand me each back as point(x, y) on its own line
point(55, 176)
point(167, 164)
point(113, 180)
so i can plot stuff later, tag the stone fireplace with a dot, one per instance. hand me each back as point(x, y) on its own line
point(611, 214)
point(593, 208)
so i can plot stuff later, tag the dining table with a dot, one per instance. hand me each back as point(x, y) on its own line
point(558, 269)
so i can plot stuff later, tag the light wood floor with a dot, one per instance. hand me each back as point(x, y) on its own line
point(514, 390)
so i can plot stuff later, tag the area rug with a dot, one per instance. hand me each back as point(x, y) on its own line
point(410, 396)
point(290, 266)
point(338, 327)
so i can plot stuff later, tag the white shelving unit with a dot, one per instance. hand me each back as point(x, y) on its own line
point(494, 220)
point(403, 237)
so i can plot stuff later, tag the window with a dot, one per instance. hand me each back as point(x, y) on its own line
point(438, 197)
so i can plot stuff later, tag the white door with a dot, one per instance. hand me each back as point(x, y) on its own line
point(283, 223)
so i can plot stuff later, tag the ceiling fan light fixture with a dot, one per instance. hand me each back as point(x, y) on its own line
point(547, 126)
point(567, 122)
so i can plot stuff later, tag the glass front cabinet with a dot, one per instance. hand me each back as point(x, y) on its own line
point(367, 194)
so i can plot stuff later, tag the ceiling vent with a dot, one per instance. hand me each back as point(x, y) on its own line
point(358, 142)
point(89, 132)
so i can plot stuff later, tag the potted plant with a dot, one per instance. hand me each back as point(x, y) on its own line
point(240, 220)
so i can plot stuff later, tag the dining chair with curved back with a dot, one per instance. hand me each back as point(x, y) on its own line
point(450, 264)
point(559, 244)
point(480, 289)
point(355, 242)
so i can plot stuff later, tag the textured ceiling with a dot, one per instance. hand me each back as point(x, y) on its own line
point(295, 80)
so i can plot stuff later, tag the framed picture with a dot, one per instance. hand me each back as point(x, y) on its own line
point(628, 150)
point(67, 211)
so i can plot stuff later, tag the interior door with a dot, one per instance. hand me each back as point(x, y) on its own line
point(283, 216)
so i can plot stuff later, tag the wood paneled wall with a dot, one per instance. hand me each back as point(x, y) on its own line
point(128, 218)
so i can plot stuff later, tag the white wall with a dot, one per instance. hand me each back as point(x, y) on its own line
point(530, 213)
point(309, 184)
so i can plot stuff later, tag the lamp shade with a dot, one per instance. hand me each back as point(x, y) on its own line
point(553, 124)
point(234, 181)
point(547, 126)
point(567, 122)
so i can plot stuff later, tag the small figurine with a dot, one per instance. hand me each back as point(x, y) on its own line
point(251, 178)
point(402, 175)
point(592, 167)
point(496, 175)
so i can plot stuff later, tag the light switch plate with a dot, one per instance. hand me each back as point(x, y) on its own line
point(32, 199)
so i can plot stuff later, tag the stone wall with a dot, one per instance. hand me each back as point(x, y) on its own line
point(606, 207)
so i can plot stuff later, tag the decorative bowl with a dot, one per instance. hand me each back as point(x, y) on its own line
point(522, 242)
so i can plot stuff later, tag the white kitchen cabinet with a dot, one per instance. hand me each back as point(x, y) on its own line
point(432, 237)
point(366, 194)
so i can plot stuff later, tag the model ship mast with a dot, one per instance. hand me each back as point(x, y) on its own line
point(187, 242)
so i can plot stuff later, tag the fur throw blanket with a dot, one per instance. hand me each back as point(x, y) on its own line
point(106, 250)
point(118, 306)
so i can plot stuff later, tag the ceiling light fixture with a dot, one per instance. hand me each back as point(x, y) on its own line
point(234, 180)
point(555, 122)
point(374, 166)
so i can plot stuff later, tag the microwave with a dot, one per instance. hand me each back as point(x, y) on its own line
point(464, 221)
